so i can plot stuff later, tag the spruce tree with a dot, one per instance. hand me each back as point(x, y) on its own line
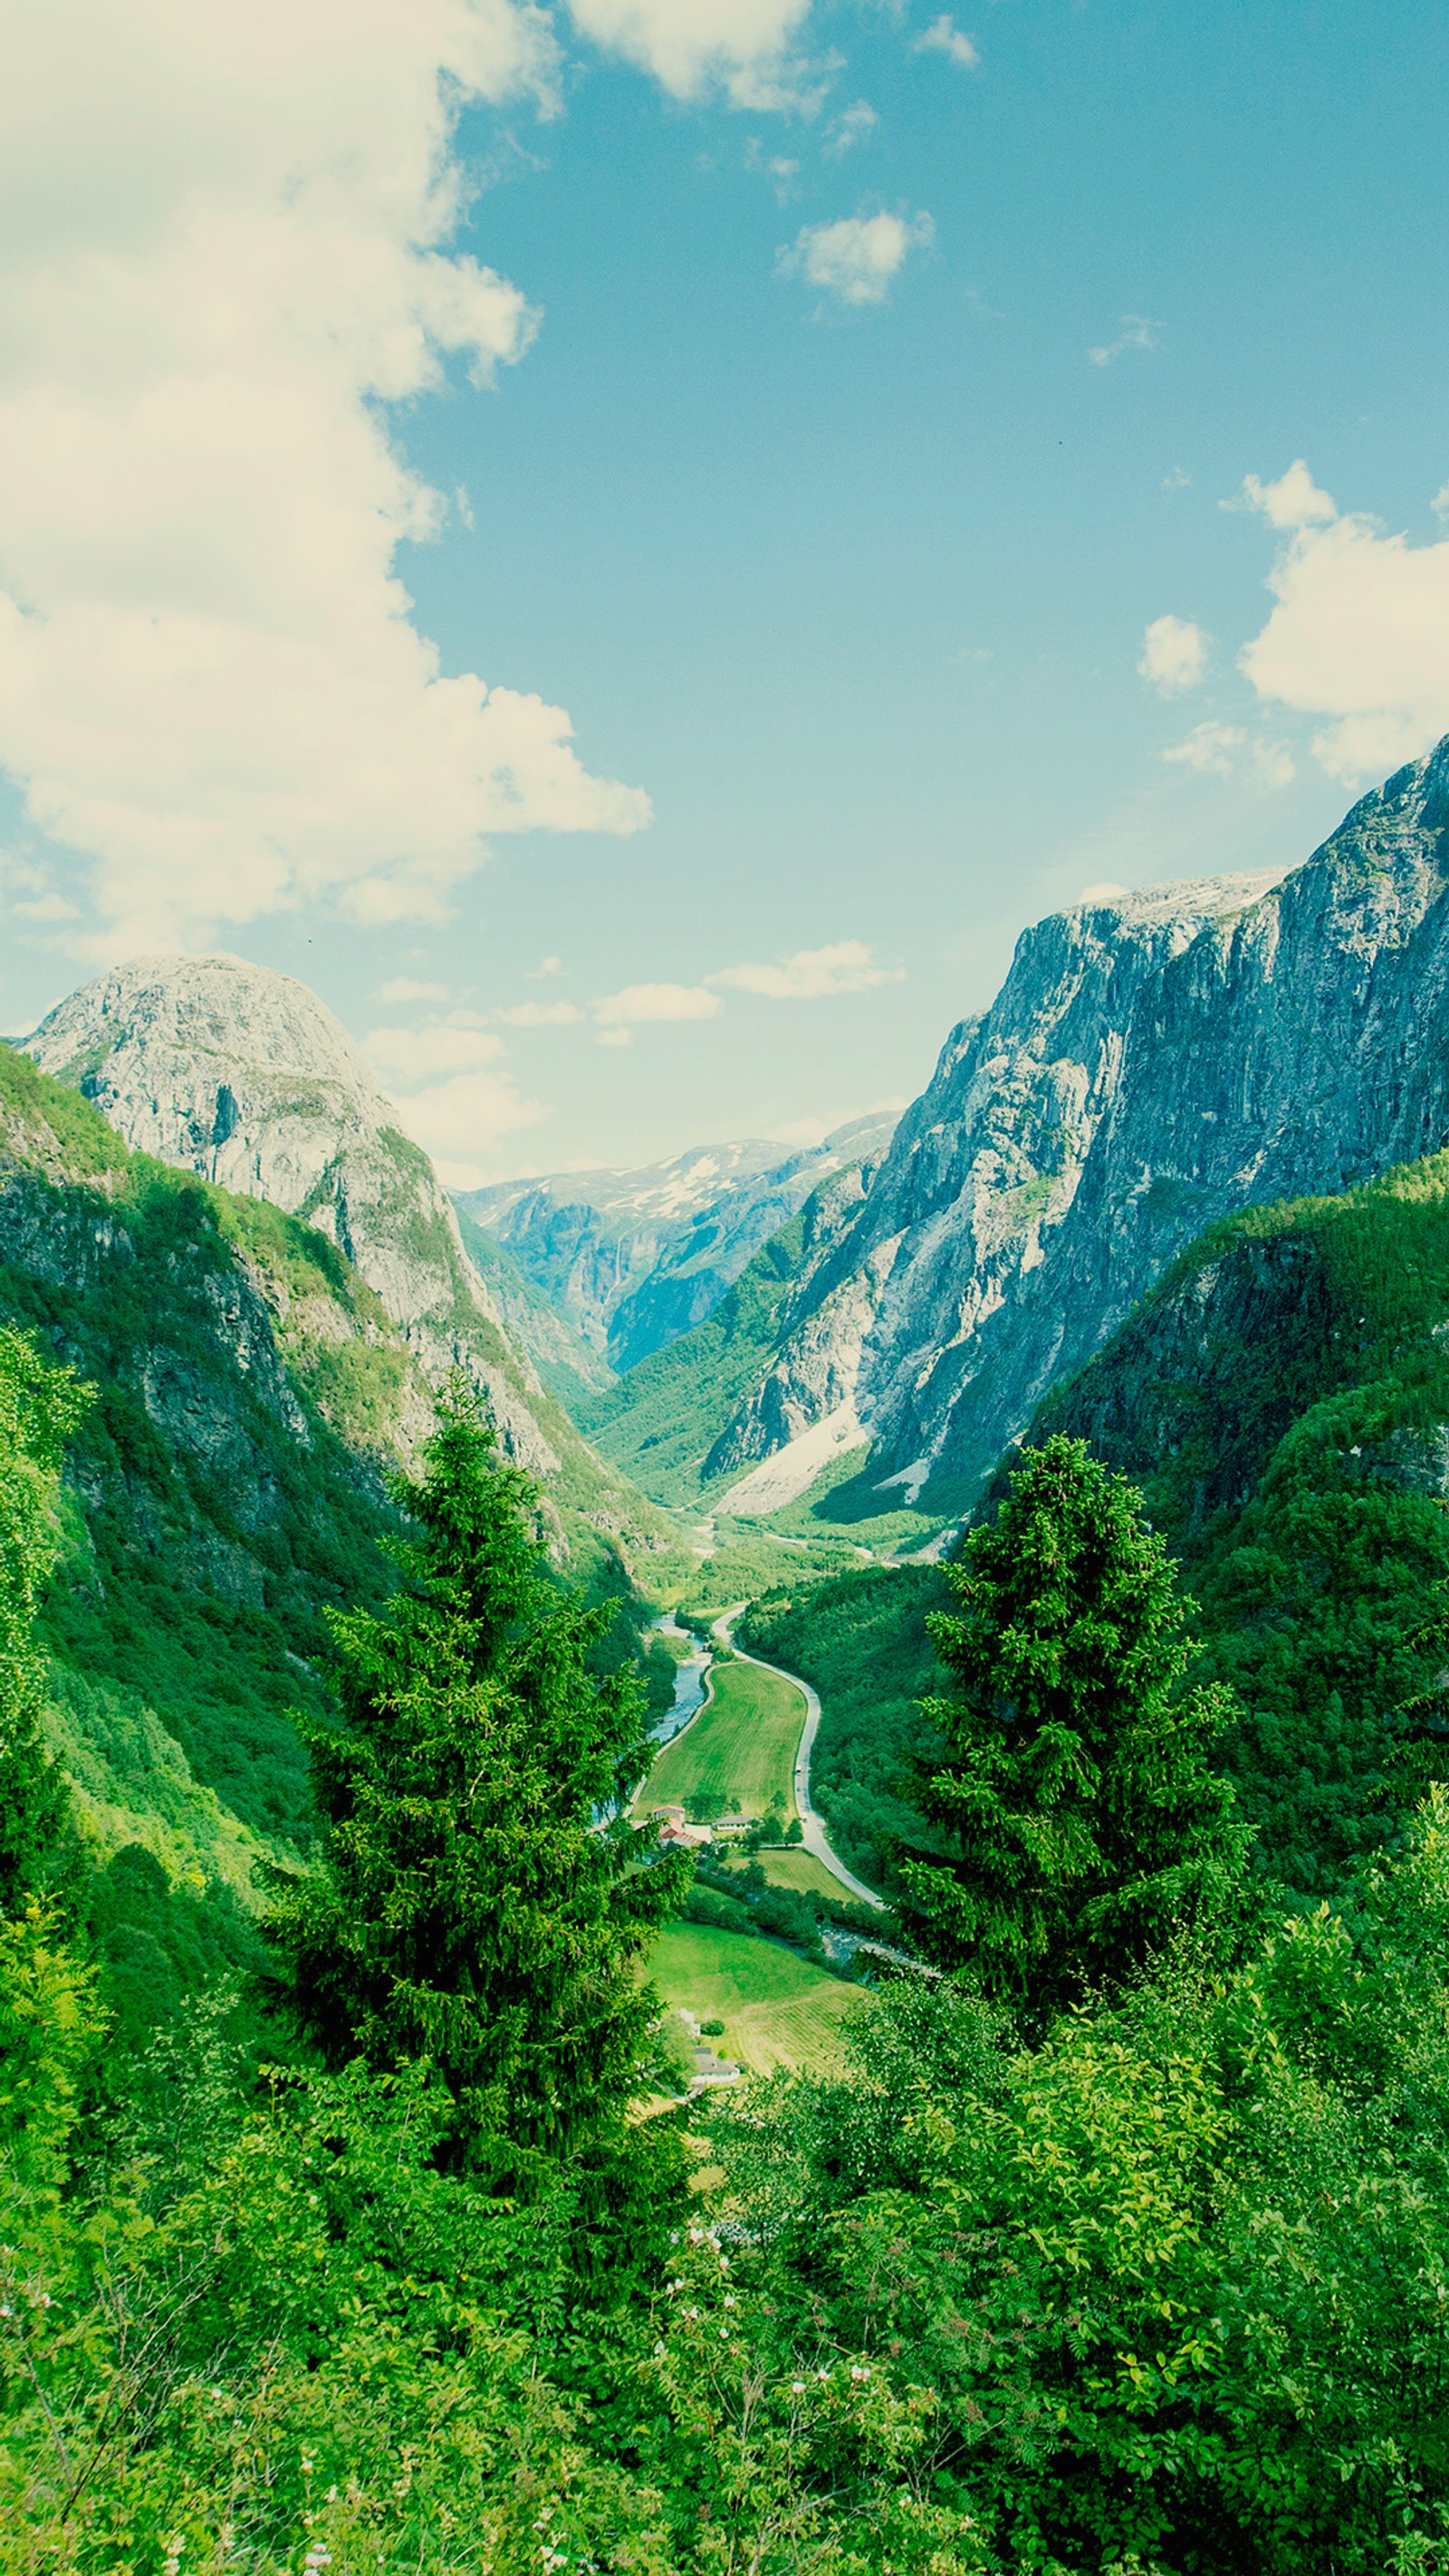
point(40, 1406)
point(1080, 1818)
point(483, 1904)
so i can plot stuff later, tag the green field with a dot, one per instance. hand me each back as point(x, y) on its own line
point(800, 1869)
point(776, 2009)
point(738, 1752)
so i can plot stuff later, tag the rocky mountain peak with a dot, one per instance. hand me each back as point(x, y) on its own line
point(1153, 1061)
point(243, 1075)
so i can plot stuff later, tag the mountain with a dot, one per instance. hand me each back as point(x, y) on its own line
point(243, 1077)
point(1149, 1066)
point(227, 1485)
point(662, 1424)
point(632, 1259)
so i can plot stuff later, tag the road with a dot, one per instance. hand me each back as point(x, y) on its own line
point(812, 1825)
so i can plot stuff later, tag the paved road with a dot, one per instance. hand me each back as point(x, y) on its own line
point(811, 1823)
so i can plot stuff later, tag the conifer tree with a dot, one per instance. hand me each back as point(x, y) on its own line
point(483, 1902)
point(1080, 1818)
point(40, 1405)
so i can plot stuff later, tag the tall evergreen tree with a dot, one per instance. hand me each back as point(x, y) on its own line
point(1081, 1820)
point(40, 1406)
point(483, 1903)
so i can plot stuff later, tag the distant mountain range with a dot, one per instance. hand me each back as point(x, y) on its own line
point(631, 1259)
point(866, 1326)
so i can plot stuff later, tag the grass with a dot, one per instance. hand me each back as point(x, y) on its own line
point(800, 1869)
point(776, 2009)
point(739, 1752)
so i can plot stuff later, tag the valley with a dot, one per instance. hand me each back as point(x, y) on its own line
point(380, 1545)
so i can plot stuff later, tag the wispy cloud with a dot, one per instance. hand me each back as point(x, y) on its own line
point(1209, 746)
point(405, 988)
point(419, 1055)
point(847, 966)
point(618, 1014)
point(857, 259)
point(540, 1015)
point(855, 125)
point(943, 36)
point(1136, 333)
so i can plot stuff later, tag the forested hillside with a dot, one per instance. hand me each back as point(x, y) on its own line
point(1281, 1397)
point(227, 1486)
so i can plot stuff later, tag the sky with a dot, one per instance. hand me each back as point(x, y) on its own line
point(634, 546)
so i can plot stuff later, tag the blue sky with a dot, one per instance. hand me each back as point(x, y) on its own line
point(873, 431)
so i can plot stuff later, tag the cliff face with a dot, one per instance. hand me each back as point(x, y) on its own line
point(1148, 1067)
point(242, 1076)
point(633, 1259)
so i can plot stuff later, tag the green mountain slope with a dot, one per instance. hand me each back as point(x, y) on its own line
point(661, 1421)
point(1281, 1396)
point(572, 1372)
point(229, 1482)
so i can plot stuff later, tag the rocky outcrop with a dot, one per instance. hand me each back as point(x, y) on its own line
point(1150, 1065)
point(633, 1259)
point(243, 1076)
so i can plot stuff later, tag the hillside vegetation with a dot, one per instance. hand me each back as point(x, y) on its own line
point(226, 1489)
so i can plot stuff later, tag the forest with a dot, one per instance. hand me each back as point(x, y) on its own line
point(1119, 2242)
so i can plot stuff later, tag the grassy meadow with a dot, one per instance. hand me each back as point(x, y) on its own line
point(777, 2010)
point(740, 1750)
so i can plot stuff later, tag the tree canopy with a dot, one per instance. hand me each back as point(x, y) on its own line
point(483, 1903)
point(40, 1405)
point(1078, 1817)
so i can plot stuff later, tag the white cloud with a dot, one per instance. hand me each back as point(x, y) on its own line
point(1174, 655)
point(943, 36)
point(855, 125)
point(1294, 501)
point(1106, 890)
point(846, 967)
point(1440, 503)
point(618, 1013)
point(405, 988)
point(1136, 333)
point(1210, 746)
point(1176, 481)
point(540, 1015)
point(223, 253)
point(693, 45)
point(416, 1055)
point(34, 895)
point(782, 173)
point(1360, 632)
point(856, 258)
point(460, 1121)
point(546, 966)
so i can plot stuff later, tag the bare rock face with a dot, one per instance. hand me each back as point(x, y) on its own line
point(1149, 1066)
point(244, 1076)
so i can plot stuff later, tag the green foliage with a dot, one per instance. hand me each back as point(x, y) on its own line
point(863, 1643)
point(1280, 1397)
point(1082, 1822)
point(40, 1407)
point(470, 1913)
point(1168, 2291)
point(663, 1418)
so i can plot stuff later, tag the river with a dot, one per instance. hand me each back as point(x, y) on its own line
point(688, 1685)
